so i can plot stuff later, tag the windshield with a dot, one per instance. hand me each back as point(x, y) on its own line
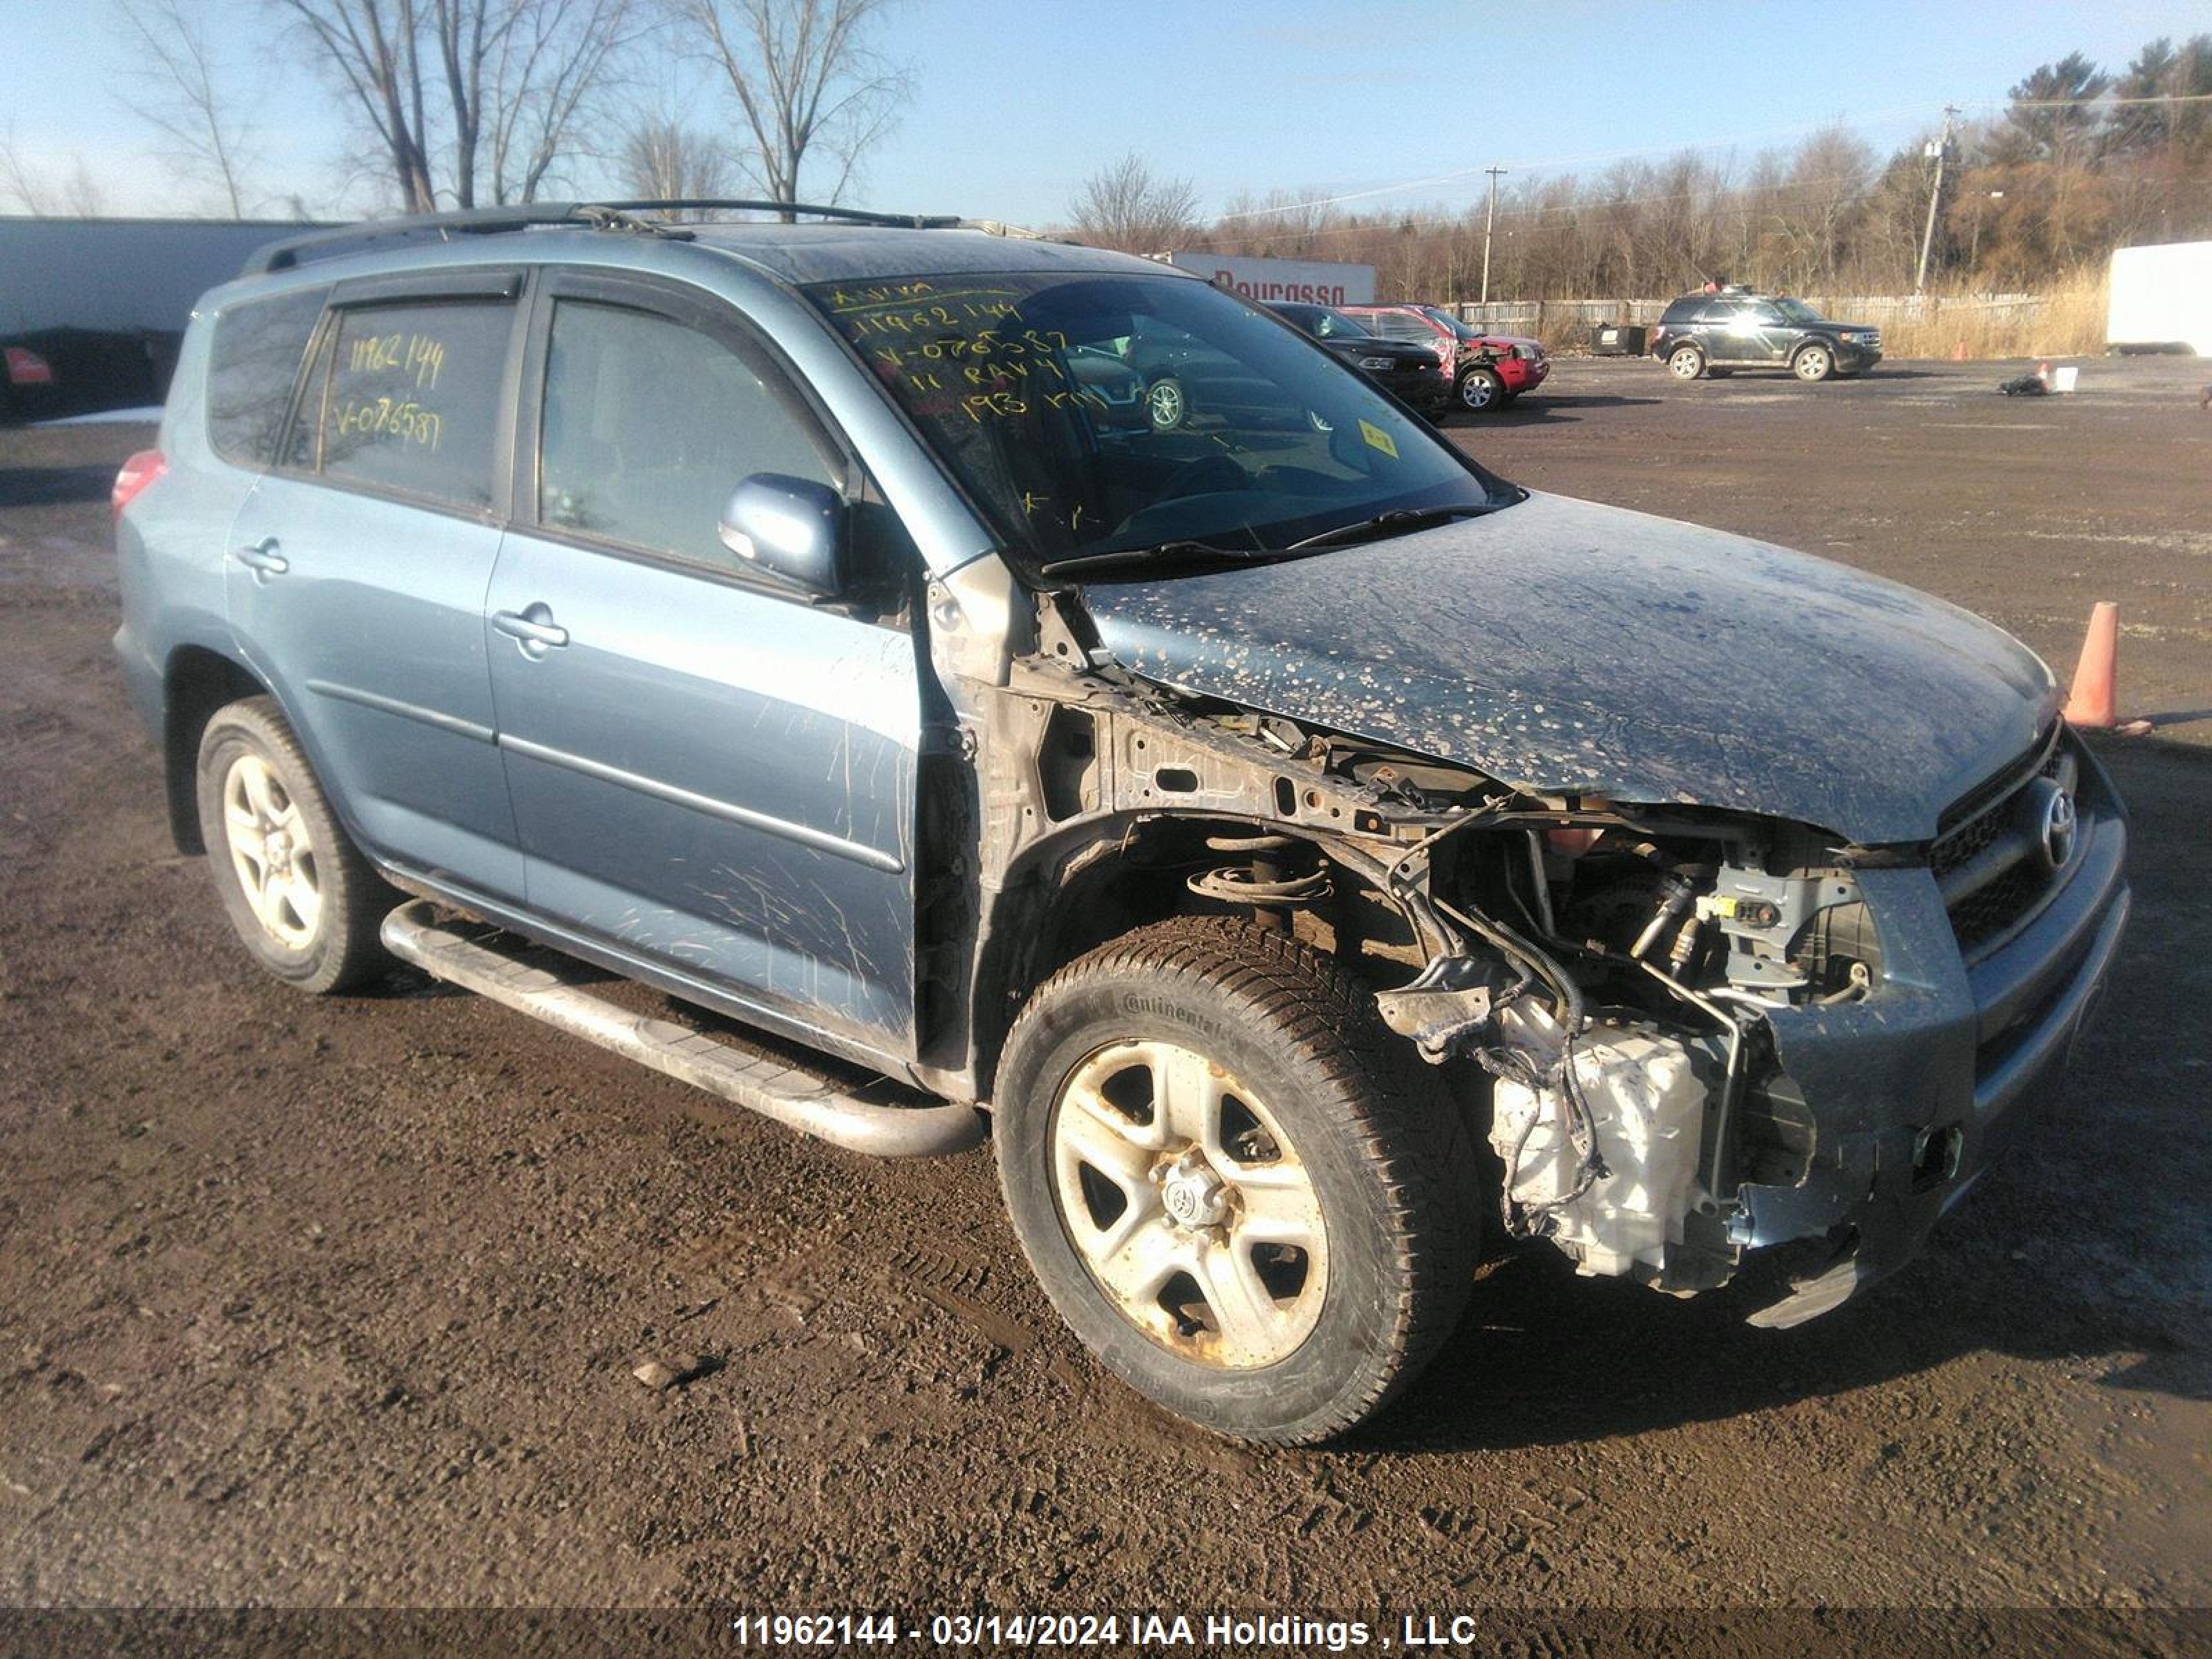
point(1102, 414)
point(1324, 323)
point(1795, 311)
point(1460, 330)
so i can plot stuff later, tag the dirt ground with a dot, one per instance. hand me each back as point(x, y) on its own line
point(336, 1303)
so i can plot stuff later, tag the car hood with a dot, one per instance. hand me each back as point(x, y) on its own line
point(1563, 646)
point(1494, 342)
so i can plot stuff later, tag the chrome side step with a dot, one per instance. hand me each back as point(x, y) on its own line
point(872, 1118)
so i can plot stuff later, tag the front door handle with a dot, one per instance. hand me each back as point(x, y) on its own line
point(262, 558)
point(534, 627)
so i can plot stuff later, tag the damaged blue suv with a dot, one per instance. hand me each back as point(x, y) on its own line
point(772, 651)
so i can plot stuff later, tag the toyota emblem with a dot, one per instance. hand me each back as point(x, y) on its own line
point(2057, 828)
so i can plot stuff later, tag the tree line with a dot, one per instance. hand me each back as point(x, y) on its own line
point(2079, 162)
point(452, 104)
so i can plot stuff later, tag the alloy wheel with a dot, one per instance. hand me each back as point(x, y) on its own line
point(272, 851)
point(1188, 1205)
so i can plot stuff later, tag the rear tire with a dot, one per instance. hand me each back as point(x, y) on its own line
point(305, 903)
point(1166, 405)
point(1686, 363)
point(1244, 1195)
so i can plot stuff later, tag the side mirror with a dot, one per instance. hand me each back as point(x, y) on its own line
point(791, 528)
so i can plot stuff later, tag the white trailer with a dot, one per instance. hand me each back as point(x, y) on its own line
point(2161, 297)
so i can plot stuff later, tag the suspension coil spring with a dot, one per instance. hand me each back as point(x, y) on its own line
point(1267, 880)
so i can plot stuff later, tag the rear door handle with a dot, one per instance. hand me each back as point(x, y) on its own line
point(534, 627)
point(262, 558)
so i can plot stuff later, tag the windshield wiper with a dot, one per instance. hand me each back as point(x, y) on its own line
point(1395, 522)
point(1164, 556)
point(1159, 555)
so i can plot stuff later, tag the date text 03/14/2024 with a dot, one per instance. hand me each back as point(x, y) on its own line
point(1140, 1629)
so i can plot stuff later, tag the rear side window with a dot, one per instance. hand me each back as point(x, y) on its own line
point(252, 367)
point(409, 399)
point(1682, 310)
point(648, 425)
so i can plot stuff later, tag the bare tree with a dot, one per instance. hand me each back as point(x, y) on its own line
point(807, 81)
point(665, 160)
point(27, 185)
point(83, 194)
point(21, 185)
point(187, 97)
point(373, 50)
point(438, 82)
point(1126, 206)
point(1287, 224)
point(552, 65)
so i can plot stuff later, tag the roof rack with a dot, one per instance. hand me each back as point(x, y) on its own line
point(605, 215)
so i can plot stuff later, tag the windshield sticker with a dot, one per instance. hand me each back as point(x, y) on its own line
point(1378, 438)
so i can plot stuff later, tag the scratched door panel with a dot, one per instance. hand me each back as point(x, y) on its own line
point(357, 569)
point(719, 777)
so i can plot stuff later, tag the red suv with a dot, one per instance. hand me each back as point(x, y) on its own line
point(1488, 371)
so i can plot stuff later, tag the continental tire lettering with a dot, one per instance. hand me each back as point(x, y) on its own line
point(1155, 1007)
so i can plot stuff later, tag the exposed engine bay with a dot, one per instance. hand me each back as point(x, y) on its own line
point(1599, 971)
point(1620, 960)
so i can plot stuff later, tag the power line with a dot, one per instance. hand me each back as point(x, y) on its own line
point(1871, 117)
point(1519, 214)
point(1540, 163)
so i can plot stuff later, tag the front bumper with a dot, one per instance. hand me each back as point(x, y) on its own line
point(1854, 358)
point(1913, 1092)
point(1523, 373)
point(1424, 388)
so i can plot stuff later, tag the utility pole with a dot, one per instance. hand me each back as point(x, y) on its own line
point(1942, 149)
point(1489, 223)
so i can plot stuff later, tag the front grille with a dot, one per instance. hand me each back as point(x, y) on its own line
point(1988, 862)
point(1984, 914)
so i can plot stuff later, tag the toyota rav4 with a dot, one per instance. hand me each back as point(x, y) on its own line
point(1302, 842)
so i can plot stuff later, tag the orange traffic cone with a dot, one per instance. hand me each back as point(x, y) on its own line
point(2093, 703)
point(1959, 352)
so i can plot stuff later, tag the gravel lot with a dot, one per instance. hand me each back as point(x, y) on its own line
point(336, 1303)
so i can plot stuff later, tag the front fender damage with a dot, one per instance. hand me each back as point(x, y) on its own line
point(1643, 1120)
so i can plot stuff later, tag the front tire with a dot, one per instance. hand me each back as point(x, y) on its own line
point(1813, 364)
point(305, 903)
point(1480, 390)
point(1242, 1194)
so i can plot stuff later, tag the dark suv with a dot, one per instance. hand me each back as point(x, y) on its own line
point(1733, 328)
point(1414, 373)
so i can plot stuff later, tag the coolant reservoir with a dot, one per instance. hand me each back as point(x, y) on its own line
point(1649, 1106)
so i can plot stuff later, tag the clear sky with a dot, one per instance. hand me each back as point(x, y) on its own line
point(1016, 102)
